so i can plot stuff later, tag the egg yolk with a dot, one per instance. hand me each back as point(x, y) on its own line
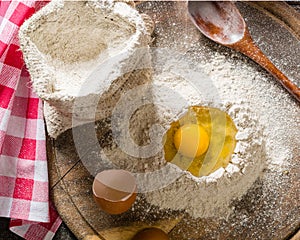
point(204, 141)
point(191, 140)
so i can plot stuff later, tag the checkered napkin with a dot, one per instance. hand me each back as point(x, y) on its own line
point(23, 163)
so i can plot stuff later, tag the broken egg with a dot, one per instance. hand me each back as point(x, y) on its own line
point(201, 141)
point(114, 190)
point(151, 234)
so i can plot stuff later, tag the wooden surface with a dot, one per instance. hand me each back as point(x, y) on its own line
point(267, 211)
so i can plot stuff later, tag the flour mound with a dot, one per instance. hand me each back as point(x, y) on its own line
point(164, 184)
point(211, 196)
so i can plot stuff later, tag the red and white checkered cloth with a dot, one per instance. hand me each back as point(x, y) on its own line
point(23, 163)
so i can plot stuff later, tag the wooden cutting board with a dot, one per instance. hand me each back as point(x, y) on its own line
point(271, 212)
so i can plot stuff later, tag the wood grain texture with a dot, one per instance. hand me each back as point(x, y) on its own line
point(283, 12)
point(267, 211)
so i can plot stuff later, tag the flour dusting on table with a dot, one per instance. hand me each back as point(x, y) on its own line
point(248, 93)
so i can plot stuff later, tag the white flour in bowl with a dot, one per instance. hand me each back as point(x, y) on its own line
point(82, 53)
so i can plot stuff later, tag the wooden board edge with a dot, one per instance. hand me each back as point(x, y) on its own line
point(281, 12)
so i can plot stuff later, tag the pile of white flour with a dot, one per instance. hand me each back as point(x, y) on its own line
point(241, 90)
point(208, 196)
point(261, 111)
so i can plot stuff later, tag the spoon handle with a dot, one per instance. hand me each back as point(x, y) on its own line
point(248, 48)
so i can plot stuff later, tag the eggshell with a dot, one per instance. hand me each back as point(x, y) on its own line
point(151, 234)
point(114, 190)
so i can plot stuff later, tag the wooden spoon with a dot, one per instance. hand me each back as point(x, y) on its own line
point(223, 23)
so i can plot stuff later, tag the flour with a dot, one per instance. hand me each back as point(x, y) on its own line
point(231, 86)
point(210, 196)
point(78, 55)
point(262, 120)
point(73, 53)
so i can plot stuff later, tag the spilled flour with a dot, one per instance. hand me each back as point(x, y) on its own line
point(207, 196)
point(217, 82)
point(263, 136)
point(176, 85)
